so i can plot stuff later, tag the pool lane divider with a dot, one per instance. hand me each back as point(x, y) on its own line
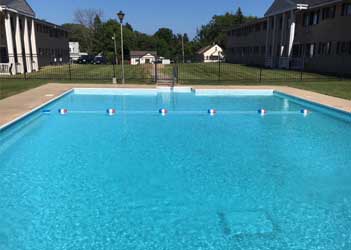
point(165, 112)
point(212, 112)
point(63, 111)
point(262, 112)
point(111, 112)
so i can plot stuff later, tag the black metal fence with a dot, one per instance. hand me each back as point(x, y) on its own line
point(218, 72)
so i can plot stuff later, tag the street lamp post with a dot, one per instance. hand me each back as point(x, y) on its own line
point(121, 17)
point(116, 59)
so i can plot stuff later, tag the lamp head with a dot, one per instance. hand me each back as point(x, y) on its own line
point(121, 16)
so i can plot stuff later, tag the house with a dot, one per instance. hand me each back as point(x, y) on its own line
point(313, 35)
point(210, 54)
point(142, 57)
point(74, 51)
point(163, 60)
point(27, 43)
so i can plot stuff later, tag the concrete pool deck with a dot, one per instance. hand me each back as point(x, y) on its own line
point(18, 105)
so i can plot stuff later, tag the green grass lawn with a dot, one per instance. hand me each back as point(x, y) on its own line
point(189, 74)
point(236, 72)
point(87, 72)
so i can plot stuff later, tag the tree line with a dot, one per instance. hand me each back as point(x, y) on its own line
point(95, 35)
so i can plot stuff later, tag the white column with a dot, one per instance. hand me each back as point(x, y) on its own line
point(273, 36)
point(27, 47)
point(20, 68)
point(34, 47)
point(10, 45)
point(292, 32)
point(267, 36)
point(282, 39)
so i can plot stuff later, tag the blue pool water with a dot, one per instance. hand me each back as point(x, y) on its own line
point(138, 180)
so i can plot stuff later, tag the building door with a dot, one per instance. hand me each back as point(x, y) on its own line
point(4, 58)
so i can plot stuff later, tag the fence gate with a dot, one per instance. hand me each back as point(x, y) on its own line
point(166, 73)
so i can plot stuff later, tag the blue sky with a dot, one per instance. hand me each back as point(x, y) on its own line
point(182, 16)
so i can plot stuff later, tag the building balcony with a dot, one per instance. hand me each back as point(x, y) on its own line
point(5, 69)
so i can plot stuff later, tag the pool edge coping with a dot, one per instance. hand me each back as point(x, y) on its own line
point(30, 112)
point(284, 90)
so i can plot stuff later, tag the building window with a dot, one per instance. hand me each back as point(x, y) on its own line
point(349, 47)
point(256, 50)
point(346, 9)
point(306, 19)
point(343, 48)
point(328, 12)
point(314, 18)
point(338, 46)
point(329, 48)
point(272, 23)
point(321, 48)
point(265, 26)
point(258, 27)
point(281, 22)
point(310, 50)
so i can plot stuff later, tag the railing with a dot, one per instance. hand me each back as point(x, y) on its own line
point(19, 68)
point(284, 62)
point(297, 63)
point(4, 68)
point(268, 62)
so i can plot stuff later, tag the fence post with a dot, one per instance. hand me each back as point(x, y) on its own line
point(219, 70)
point(177, 72)
point(114, 80)
point(260, 76)
point(174, 74)
point(302, 67)
point(156, 76)
point(70, 71)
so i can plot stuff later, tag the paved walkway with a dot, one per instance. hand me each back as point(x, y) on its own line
point(20, 104)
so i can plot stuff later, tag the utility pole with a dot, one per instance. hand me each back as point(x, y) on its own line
point(115, 44)
point(183, 53)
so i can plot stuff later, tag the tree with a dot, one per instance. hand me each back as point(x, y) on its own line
point(240, 16)
point(78, 33)
point(97, 31)
point(86, 17)
point(95, 35)
point(216, 30)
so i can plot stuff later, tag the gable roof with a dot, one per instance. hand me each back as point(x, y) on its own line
point(140, 53)
point(19, 5)
point(280, 6)
point(205, 49)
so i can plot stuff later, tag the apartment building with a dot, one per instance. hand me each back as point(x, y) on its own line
point(310, 34)
point(28, 43)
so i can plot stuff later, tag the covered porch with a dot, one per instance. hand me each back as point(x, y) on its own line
point(18, 49)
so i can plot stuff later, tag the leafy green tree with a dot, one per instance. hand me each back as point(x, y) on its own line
point(78, 33)
point(216, 30)
point(97, 31)
point(240, 16)
point(95, 35)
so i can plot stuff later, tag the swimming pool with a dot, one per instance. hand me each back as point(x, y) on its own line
point(187, 180)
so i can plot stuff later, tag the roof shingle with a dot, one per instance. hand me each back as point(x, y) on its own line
point(137, 53)
point(19, 5)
